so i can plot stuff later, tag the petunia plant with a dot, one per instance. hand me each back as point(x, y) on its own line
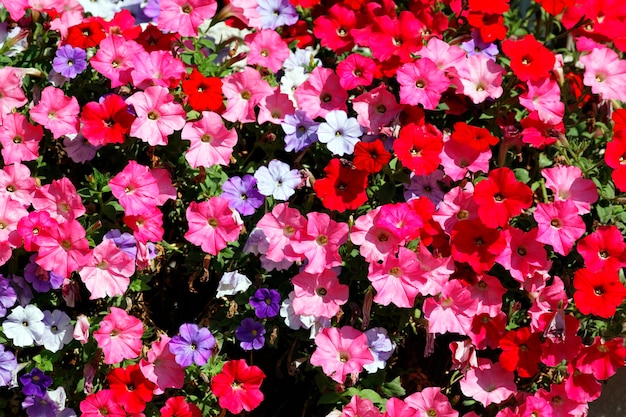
point(311, 207)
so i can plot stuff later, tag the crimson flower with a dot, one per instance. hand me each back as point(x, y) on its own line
point(530, 60)
point(478, 138)
point(501, 197)
point(371, 156)
point(476, 244)
point(178, 407)
point(343, 188)
point(521, 351)
point(615, 157)
point(204, 93)
point(334, 28)
point(130, 388)
point(87, 34)
point(237, 387)
point(598, 293)
point(418, 148)
point(106, 122)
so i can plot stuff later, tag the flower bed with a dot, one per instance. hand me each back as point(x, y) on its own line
point(279, 208)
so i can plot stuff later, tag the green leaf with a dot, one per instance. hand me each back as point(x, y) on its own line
point(140, 284)
point(329, 398)
point(393, 388)
point(522, 175)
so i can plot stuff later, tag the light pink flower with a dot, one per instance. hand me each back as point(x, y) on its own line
point(64, 250)
point(376, 108)
point(397, 280)
point(267, 49)
point(481, 78)
point(60, 199)
point(211, 142)
point(243, 91)
point(282, 226)
point(523, 255)
point(108, 271)
point(341, 352)
point(11, 93)
point(274, 107)
point(81, 329)
point(119, 336)
point(421, 82)
point(452, 311)
point(147, 226)
point(11, 211)
point(321, 241)
point(185, 16)
point(17, 183)
point(321, 93)
point(360, 407)
point(320, 295)
point(19, 139)
point(135, 188)
point(160, 366)
point(431, 401)
point(212, 224)
point(605, 73)
point(57, 112)
point(458, 205)
point(376, 242)
point(567, 183)
point(114, 59)
point(156, 68)
point(559, 224)
point(488, 384)
point(158, 116)
point(544, 96)
point(459, 158)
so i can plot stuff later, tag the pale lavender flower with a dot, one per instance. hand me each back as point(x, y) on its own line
point(57, 331)
point(477, 46)
point(257, 242)
point(340, 133)
point(276, 13)
point(8, 296)
point(300, 131)
point(277, 180)
point(79, 149)
point(381, 347)
point(8, 363)
point(232, 283)
point(302, 58)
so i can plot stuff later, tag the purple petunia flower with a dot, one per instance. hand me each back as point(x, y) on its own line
point(300, 131)
point(429, 186)
point(8, 363)
point(35, 383)
point(41, 280)
point(478, 46)
point(381, 347)
point(69, 61)
point(251, 334)
point(79, 149)
point(40, 406)
point(8, 296)
point(125, 241)
point(242, 194)
point(266, 303)
point(192, 345)
point(276, 13)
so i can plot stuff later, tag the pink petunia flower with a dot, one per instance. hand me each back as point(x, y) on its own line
point(281, 227)
point(481, 78)
point(212, 224)
point(452, 311)
point(267, 49)
point(544, 97)
point(360, 407)
point(101, 403)
point(108, 271)
point(605, 73)
point(376, 108)
point(559, 224)
point(243, 91)
point(523, 255)
point(459, 158)
point(211, 142)
point(11, 212)
point(397, 280)
point(114, 59)
point(156, 68)
point(321, 93)
point(431, 401)
point(489, 384)
point(567, 183)
point(320, 243)
point(341, 352)
point(64, 250)
point(147, 226)
point(57, 112)
point(458, 205)
point(119, 336)
point(17, 183)
point(421, 82)
point(274, 107)
point(376, 242)
point(135, 188)
point(11, 93)
point(320, 295)
point(158, 116)
point(160, 366)
point(185, 16)
point(60, 199)
point(19, 139)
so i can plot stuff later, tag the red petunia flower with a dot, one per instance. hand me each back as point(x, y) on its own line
point(87, 34)
point(521, 352)
point(371, 156)
point(603, 249)
point(476, 244)
point(419, 147)
point(615, 157)
point(178, 407)
point(106, 122)
point(598, 293)
point(237, 387)
point(153, 39)
point(333, 29)
point(486, 16)
point(130, 388)
point(501, 197)
point(204, 93)
point(530, 60)
point(343, 188)
point(478, 138)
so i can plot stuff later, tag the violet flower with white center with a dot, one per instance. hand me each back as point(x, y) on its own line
point(8, 296)
point(340, 133)
point(381, 347)
point(242, 194)
point(57, 331)
point(277, 180)
point(192, 345)
point(24, 325)
point(276, 13)
point(300, 131)
point(429, 186)
point(232, 283)
point(69, 61)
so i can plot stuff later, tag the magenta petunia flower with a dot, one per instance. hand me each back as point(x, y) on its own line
point(559, 224)
point(212, 224)
point(119, 336)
